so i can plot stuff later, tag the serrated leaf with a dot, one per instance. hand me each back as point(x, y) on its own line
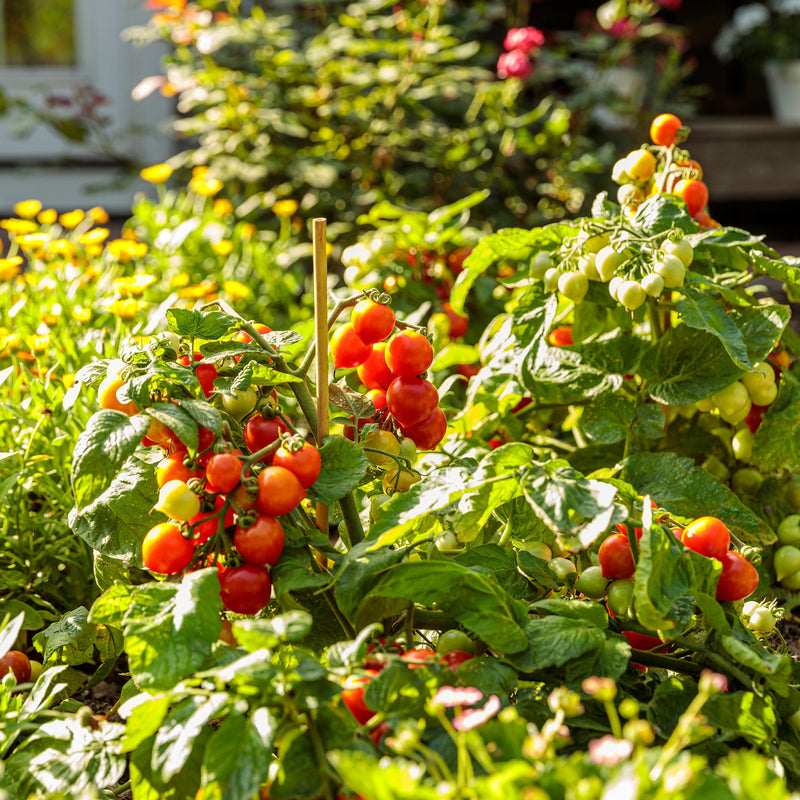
point(608, 419)
point(203, 414)
point(255, 634)
point(500, 564)
point(200, 324)
point(554, 641)
point(180, 422)
point(777, 440)
point(660, 213)
point(9, 634)
point(344, 467)
point(353, 403)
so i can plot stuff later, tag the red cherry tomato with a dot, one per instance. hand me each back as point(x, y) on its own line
point(429, 432)
point(694, 194)
point(459, 323)
point(411, 400)
point(561, 337)
point(615, 557)
point(260, 432)
point(262, 542)
point(165, 550)
point(353, 697)
point(374, 373)
point(223, 473)
point(245, 589)
point(455, 658)
point(409, 354)
point(664, 129)
point(206, 373)
point(372, 322)
point(305, 463)
point(279, 491)
point(739, 577)
point(378, 398)
point(206, 523)
point(17, 662)
point(638, 641)
point(172, 468)
point(347, 349)
point(708, 536)
point(419, 657)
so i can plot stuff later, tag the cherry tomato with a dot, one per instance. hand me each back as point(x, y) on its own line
point(694, 194)
point(639, 641)
point(561, 337)
point(279, 491)
point(304, 463)
point(158, 433)
point(573, 285)
point(384, 441)
point(165, 550)
point(459, 323)
point(243, 336)
point(377, 733)
point(353, 697)
point(615, 557)
point(411, 400)
point(620, 595)
point(243, 498)
point(419, 657)
point(409, 354)
point(347, 349)
point(640, 165)
point(427, 434)
point(205, 440)
point(240, 402)
point(206, 373)
point(262, 542)
point(223, 473)
point(739, 577)
point(245, 589)
point(455, 658)
point(454, 639)
point(708, 536)
point(664, 129)
point(631, 294)
point(206, 523)
point(399, 480)
point(378, 398)
point(372, 322)
point(17, 662)
point(107, 396)
point(561, 568)
point(374, 373)
point(681, 249)
point(260, 432)
point(177, 501)
point(172, 468)
point(592, 583)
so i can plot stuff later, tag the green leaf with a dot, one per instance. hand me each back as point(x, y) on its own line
point(553, 641)
point(587, 611)
point(373, 778)
point(610, 660)
point(109, 439)
point(181, 423)
point(235, 754)
point(608, 419)
point(255, 634)
point(73, 635)
point(660, 213)
point(203, 413)
point(299, 768)
point(500, 564)
point(110, 608)
point(344, 467)
point(200, 324)
point(170, 628)
point(10, 633)
point(777, 440)
point(143, 720)
point(676, 484)
point(480, 605)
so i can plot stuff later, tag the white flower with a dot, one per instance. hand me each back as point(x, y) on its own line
point(748, 18)
point(786, 7)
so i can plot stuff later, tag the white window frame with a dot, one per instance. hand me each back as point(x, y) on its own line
point(33, 166)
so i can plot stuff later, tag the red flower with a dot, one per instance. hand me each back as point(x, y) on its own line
point(528, 40)
point(514, 65)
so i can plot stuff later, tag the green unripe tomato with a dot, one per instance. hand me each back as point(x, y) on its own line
point(653, 284)
point(447, 542)
point(573, 285)
point(672, 270)
point(789, 530)
point(714, 466)
point(792, 582)
point(551, 278)
point(606, 262)
point(561, 568)
point(791, 492)
point(786, 562)
point(761, 620)
point(631, 295)
point(738, 416)
point(595, 243)
point(376, 503)
point(742, 444)
point(385, 442)
point(540, 263)
point(731, 399)
point(706, 405)
point(454, 639)
point(614, 284)
point(36, 670)
point(587, 266)
point(682, 249)
point(592, 583)
point(747, 481)
point(764, 396)
point(794, 720)
point(628, 193)
point(538, 550)
point(620, 595)
point(240, 402)
point(408, 449)
point(760, 378)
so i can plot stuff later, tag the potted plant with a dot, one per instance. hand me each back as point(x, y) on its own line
point(767, 36)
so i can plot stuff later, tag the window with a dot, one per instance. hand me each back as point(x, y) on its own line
point(66, 58)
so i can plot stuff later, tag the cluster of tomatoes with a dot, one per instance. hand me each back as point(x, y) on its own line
point(223, 505)
point(23, 668)
point(392, 367)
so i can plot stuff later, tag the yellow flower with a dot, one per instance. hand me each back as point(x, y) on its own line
point(48, 216)
point(202, 184)
point(94, 236)
point(132, 286)
point(129, 234)
point(158, 173)
point(51, 317)
point(71, 218)
point(247, 231)
point(284, 208)
point(98, 215)
point(125, 249)
point(68, 378)
point(222, 206)
point(93, 250)
point(18, 226)
point(81, 314)
point(37, 344)
point(28, 208)
point(236, 290)
point(91, 272)
point(9, 268)
point(222, 248)
point(9, 343)
point(60, 247)
point(180, 280)
point(126, 309)
point(198, 290)
point(33, 242)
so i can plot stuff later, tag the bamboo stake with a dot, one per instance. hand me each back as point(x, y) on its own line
point(320, 257)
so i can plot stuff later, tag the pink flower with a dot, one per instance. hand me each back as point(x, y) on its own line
point(452, 696)
point(624, 29)
point(609, 751)
point(514, 65)
point(471, 718)
point(526, 39)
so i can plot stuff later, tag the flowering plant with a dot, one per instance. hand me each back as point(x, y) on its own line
point(761, 32)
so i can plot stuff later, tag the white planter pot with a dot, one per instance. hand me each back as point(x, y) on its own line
point(783, 85)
